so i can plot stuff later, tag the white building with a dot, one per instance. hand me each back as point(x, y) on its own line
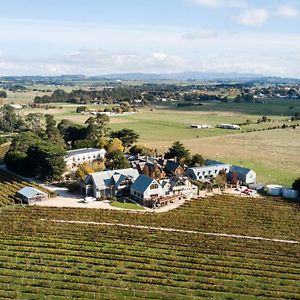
point(85, 155)
point(229, 126)
point(206, 172)
point(201, 126)
point(145, 188)
point(246, 176)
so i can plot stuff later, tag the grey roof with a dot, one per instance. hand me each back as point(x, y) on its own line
point(240, 170)
point(142, 183)
point(83, 151)
point(171, 166)
point(29, 192)
point(108, 178)
point(210, 162)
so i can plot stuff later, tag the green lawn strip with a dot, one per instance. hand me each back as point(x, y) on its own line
point(127, 205)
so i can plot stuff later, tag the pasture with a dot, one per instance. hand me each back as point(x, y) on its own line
point(272, 153)
point(41, 258)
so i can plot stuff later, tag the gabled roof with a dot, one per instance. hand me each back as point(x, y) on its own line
point(171, 166)
point(29, 192)
point(210, 162)
point(108, 178)
point(84, 151)
point(142, 183)
point(240, 170)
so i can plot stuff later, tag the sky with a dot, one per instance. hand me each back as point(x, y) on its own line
point(96, 37)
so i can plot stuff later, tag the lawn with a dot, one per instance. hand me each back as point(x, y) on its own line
point(125, 205)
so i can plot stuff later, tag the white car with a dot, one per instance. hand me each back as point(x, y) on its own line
point(89, 199)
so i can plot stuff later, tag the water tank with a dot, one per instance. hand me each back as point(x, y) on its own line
point(289, 193)
point(274, 189)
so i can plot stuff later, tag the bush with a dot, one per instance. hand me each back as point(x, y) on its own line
point(74, 187)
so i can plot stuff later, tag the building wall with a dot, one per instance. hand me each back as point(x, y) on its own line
point(206, 172)
point(81, 158)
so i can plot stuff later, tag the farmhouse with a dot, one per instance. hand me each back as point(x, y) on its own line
point(206, 172)
point(29, 195)
point(84, 155)
point(109, 183)
point(145, 188)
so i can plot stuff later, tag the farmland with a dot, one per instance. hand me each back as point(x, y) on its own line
point(42, 258)
point(271, 153)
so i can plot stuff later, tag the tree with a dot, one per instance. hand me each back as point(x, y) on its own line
point(97, 127)
point(296, 185)
point(179, 151)
point(3, 94)
point(115, 145)
point(117, 160)
point(52, 131)
point(87, 168)
point(127, 136)
point(220, 180)
point(141, 149)
point(197, 160)
point(10, 121)
point(47, 160)
point(34, 122)
point(81, 109)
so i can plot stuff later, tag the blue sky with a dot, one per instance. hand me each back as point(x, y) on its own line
point(93, 37)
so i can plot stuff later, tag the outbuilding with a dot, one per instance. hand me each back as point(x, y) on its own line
point(29, 195)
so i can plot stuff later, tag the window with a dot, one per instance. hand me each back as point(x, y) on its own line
point(153, 186)
point(203, 172)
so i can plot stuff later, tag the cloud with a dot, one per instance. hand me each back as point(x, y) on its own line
point(287, 11)
point(254, 17)
point(200, 34)
point(221, 3)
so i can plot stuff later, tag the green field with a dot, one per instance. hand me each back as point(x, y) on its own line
point(271, 153)
point(42, 259)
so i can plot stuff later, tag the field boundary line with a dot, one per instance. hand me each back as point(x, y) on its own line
point(235, 236)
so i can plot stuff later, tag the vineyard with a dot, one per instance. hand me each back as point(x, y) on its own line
point(3, 149)
point(43, 259)
point(9, 185)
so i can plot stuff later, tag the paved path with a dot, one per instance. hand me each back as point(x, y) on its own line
point(233, 236)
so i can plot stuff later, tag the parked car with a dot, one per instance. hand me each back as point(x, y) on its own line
point(89, 199)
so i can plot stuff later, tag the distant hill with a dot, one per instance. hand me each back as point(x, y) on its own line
point(180, 76)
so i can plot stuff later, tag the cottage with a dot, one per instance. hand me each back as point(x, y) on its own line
point(29, 195)
point(84, 155)
point(145, 188)
point(206, 172)
point(109, 183)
